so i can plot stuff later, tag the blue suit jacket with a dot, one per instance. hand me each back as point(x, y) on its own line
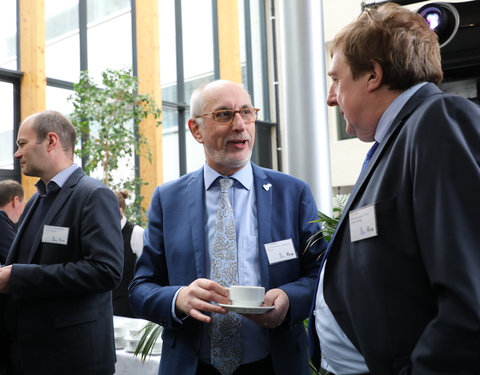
point(174, 255)
point(59, 313)
point(409, 298)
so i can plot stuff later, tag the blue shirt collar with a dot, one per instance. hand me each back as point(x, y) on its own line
point(244, 176)
point(59, 179)
point(393, 110)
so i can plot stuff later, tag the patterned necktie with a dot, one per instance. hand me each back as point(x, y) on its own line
point(225, 330)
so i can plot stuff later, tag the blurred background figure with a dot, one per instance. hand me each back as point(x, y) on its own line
point(133, 243)
point(12, 203)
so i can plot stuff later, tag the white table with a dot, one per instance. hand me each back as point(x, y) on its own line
point(127, 363)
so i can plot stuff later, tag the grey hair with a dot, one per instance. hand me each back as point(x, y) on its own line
point(197, 104)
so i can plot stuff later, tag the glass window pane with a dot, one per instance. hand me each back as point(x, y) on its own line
point(168, 48)
point(257, 56)
point(62, 45)
point(197, 44)
point(6, 126)
point(171, 168)
point(98, 10)
point(109, 35)
point(57, 99)
point(243, 48)
point(8, 35)
point(258, 63)
point(195, 153)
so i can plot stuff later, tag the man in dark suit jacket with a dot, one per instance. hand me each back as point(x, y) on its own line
point(65, 260)
point(400, 289)
point(172, 284)
point(12, 203)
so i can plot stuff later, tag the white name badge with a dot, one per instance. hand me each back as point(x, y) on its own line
point(53, 234)
point(363, 223)
point(280, 251)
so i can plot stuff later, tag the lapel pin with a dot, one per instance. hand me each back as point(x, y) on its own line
point(267, 187)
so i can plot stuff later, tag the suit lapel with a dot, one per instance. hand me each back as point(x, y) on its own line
point(419, 97)
point(57, 204)
point(264, 216)
point(196, 204)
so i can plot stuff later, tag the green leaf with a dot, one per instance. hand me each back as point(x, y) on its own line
point(150, 334)
point(329, 223)
point(106, 119)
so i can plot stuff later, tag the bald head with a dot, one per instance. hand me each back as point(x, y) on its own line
point(52, 121)
point(201, 96)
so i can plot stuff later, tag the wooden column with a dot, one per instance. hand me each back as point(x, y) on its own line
point(148, 62)
point(32, 64)
point(229, 40)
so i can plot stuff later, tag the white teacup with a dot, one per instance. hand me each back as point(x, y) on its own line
point(120, 331)
point(248, 296)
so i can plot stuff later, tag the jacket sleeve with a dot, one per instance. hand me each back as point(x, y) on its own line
point(150, 293)
point(445, 165)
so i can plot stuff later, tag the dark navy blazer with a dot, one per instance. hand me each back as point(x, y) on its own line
point(63, 321)
point(409, 298)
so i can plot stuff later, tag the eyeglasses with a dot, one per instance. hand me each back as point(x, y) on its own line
point(226, 116)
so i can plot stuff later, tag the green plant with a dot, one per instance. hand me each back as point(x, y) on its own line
point(106, 118)
point(150, 334)
point(329, 223)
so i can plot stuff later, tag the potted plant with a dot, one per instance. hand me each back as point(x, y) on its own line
point(106, 118)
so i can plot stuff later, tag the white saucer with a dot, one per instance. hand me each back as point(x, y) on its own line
point(247, 309)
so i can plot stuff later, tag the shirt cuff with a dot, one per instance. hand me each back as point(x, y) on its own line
point(178, 319)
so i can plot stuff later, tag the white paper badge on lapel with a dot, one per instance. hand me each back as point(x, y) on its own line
point(363, 223)
point(280, 251)
point(56, 235)
point(267, 187)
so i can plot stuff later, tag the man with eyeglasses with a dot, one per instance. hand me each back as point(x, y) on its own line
point(180, 276)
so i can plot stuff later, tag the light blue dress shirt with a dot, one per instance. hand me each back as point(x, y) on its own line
point(255, 345)
point(339, 355)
